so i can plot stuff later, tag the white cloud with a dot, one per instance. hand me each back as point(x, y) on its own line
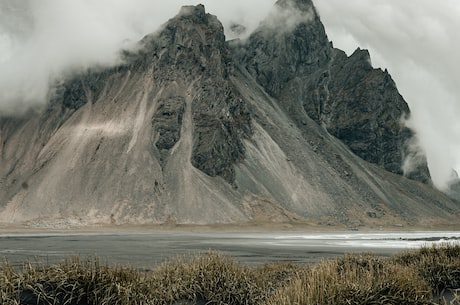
point(5, 47)
point(286, 18)
point(40, 40)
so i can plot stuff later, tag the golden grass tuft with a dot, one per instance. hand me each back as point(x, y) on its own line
point(355, 279)
point(438, 265)
point(71, 282)
point(412, 277)
point(211, 278)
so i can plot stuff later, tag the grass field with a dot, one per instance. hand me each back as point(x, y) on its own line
point(430, 275)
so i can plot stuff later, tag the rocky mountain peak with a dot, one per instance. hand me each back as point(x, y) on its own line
point(356, 103)
point(191, 47)
point(194, 18)
point(289, 42)
point(196, 12)
point(191, 39)
point(302, 5)
point(190, 129)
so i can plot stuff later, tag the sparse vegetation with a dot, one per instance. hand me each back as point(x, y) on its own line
point(421, 276)
point(355, 279)
point(439, 266)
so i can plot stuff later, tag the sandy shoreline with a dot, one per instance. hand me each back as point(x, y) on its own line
point(8, 228)
point(146, 246)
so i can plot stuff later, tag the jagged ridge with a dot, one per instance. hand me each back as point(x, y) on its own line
point(358, 104)
point(191, 129)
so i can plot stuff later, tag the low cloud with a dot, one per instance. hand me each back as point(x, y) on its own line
point(42, 40)
point(285, 18)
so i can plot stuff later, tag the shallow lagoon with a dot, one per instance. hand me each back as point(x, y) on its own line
point(149, 249)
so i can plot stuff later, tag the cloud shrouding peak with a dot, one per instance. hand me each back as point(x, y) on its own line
point(418, 42)
point(42, 40)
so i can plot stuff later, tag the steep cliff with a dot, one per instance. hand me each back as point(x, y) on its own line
point(295, 63)
point(194, 129)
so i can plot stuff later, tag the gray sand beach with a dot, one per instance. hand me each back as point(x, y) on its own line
point(147, 249)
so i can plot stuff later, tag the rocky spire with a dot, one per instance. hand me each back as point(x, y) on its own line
point(356, 103)
point(290, 42)
point(302, 5)
point(192, 47)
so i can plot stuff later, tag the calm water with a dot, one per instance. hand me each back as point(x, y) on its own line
point(149, 249)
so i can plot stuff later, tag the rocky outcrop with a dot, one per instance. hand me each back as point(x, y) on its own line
point(77, 91)
point(192, 47)
point(453, 189)
point(221, 121)
point(356, 103)
point(191, 129)
point(290, 43)
point(365, 110)
point(167, 124)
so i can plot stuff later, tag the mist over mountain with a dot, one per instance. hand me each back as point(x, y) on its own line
point(190, 128)
point(418, 44)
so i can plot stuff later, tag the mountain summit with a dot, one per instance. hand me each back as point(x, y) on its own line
point(191, 129)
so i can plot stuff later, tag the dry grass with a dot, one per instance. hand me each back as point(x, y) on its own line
point(355, 279)
point(438, 265)
point(212, 278)
point(71, 282)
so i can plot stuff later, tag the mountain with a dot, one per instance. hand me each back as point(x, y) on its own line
point(453, 190)
point(354, 102)
point(192, 129)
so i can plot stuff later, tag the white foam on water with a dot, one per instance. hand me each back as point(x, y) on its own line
point(400, 240)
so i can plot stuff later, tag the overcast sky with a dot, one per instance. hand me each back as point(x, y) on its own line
point(417, 40)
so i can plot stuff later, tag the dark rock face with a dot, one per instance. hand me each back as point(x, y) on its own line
point(365, 111)
point(221, 120)
point(167, 124)
point(192, 47)
point(89, 85)
point(454, 190)
point(356, 103)
point(74, 95)
point(277, 53)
